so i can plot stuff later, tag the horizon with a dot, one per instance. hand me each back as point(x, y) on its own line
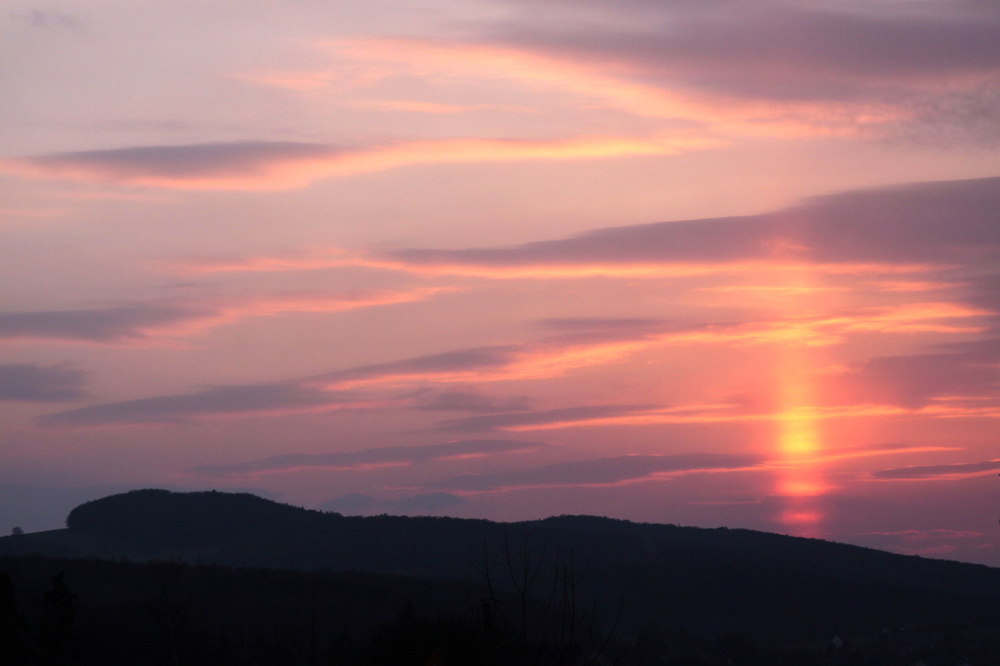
point(670, 262)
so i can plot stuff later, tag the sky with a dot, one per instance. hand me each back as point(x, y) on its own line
point(698, 262)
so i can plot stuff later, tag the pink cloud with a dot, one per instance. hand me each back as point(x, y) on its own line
point(372, 458)
point(262, 165)
point(602, 472)
point(157, 322)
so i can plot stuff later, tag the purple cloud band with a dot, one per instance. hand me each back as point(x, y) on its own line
point(29, 382)
point(944, 223)
point(103, 325)
point(775, 49)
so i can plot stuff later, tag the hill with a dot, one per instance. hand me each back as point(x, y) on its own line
point(645, 580)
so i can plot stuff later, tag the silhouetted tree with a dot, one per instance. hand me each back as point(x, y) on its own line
point(55, 639)
point(551, 623)
point(13, 649)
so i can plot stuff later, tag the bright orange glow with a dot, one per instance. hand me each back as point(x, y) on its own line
point(799, 439)
point(803, 519)
point(798, 430)
point(802, 487)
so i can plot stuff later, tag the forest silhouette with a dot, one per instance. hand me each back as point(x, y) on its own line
point(155, 577)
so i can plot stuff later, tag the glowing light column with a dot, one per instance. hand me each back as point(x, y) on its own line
point(799, 444)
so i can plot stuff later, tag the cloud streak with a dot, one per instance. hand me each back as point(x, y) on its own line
point(262, 165)
point(850, 392)
point(788, 41)
point(387, 456)
point(547, 419)
point(947, 472)
point(919, 380)
point(910, 238)
point(602, 472)
point(803, 66)
point(156, 321)
point(213, 402)
point(468, 401)
point(30, 382)
point(909, 228)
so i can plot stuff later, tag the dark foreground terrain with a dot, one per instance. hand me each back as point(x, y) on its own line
point(153, 577)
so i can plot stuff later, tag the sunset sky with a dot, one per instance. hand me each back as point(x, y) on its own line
point(701, 262)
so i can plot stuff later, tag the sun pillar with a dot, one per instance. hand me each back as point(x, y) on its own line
point(800, 481)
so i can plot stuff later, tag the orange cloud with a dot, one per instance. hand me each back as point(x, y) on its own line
point(668, 269)
point(650, 270)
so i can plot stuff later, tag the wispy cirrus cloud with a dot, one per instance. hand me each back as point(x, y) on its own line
point(456, 366)
point(386, 456)
point(812, 64)
point(207, 403)
point(772, 68)
point(275, 165)
point(467, 401)
point(963, 375)
point(156, 321)
point(592, 343)
point(31, 382)
point(97, 325)
point(551, 357)
point(783, 40)
point(910, 228)
point(602, 472)
point(334, 390)
point(545, 419)
point(49, 20)
point(908, 239)
point(591, 416)
point(545, 358)
point(946, 472)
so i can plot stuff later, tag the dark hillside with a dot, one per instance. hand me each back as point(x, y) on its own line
point(654, 579)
